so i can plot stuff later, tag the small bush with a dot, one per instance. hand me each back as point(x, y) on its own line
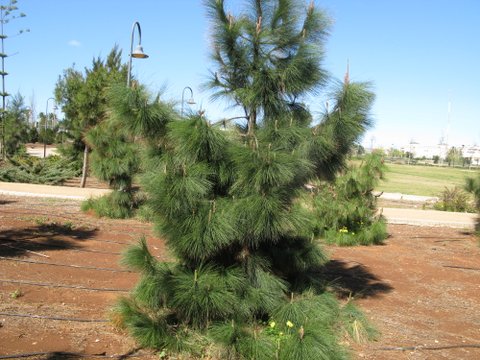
point(24, 168)
point(116, 205)
point(367, 234)
point(454, 199)
point(346, 209)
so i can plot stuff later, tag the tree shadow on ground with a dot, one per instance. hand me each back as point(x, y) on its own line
point(53, 237)
point(6, 202)
point(57, 355)
point(356, 281)
point(62, 355)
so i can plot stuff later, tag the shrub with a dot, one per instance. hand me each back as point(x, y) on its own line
point(345, 210)
point(226, 202)
point(472, 185)
point(454, 199)
point(24, 168)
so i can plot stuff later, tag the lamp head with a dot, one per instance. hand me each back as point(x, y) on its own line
point(138, 53)
point(191, 101)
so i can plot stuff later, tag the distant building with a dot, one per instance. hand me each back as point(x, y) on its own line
point(472, 152)
point(426, 151)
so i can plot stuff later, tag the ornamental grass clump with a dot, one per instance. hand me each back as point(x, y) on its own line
point(227, 201)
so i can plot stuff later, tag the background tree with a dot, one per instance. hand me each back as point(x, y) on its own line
point(454, 156)
point(84, 98)
point(67, 91)
point(16, 125)
point(227, 202)
point(118, 144)
point(47, 128)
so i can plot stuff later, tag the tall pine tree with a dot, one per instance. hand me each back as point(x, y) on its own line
point(83, 98)
point(247, 281)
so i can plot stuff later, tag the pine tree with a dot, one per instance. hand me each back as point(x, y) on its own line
point(247, 281)
point(16, 125)
point(131, 127)
point(84, 98)
point(472, 185)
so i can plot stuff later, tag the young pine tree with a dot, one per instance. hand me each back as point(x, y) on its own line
point(345, 209)
point(472, 185)
point(246, 282)
point(84, 98)
point(132, 127)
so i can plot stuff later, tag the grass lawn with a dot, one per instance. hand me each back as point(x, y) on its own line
point(423, 180)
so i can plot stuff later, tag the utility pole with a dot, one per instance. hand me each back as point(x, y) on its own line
point(4, 94)
point(7, 13)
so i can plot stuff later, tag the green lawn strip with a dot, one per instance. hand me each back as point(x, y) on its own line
point(423, 180)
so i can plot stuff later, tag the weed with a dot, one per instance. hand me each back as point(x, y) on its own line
point(16, 294)
point(42, 221)
point(68, 226)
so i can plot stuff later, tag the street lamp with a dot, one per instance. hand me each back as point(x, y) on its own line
point(45, 132)
point(137, 53)
point(189, 101)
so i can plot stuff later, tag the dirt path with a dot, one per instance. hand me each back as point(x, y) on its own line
point(420, 288)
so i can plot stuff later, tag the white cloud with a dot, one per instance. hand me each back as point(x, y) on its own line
point(75, 43)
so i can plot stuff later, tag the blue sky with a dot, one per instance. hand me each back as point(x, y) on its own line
point(420, 55)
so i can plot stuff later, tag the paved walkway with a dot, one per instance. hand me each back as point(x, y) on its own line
point(59, 192)
point(393, 215)
point(429, 218)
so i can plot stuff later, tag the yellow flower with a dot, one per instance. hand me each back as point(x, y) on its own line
point(289, 324)
point(272, 324)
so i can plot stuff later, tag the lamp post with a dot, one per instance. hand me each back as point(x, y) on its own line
point(189, 101)
point(45, 132)
point(137, 53)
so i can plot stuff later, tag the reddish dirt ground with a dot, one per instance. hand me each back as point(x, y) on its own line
point(421, 289)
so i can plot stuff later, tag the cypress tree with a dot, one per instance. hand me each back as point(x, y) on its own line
point(246, 283)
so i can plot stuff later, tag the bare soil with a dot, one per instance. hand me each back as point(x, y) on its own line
point(421, 289)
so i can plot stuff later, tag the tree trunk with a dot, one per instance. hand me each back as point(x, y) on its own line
point(252, 120)
point(85, 167)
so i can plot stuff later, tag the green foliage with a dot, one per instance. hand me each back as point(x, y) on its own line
point(116, 205)
point(84, 97)
point(472, 185)
point(32, 136)
point(16, 125)
point(52, 170)
point(13, 128)
point(267, 57)
point(227, 202)
point(116, 156)
point(454, 156)
point(422, 180)
point(454, 199)
point(345, 209)
point(356, 324)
